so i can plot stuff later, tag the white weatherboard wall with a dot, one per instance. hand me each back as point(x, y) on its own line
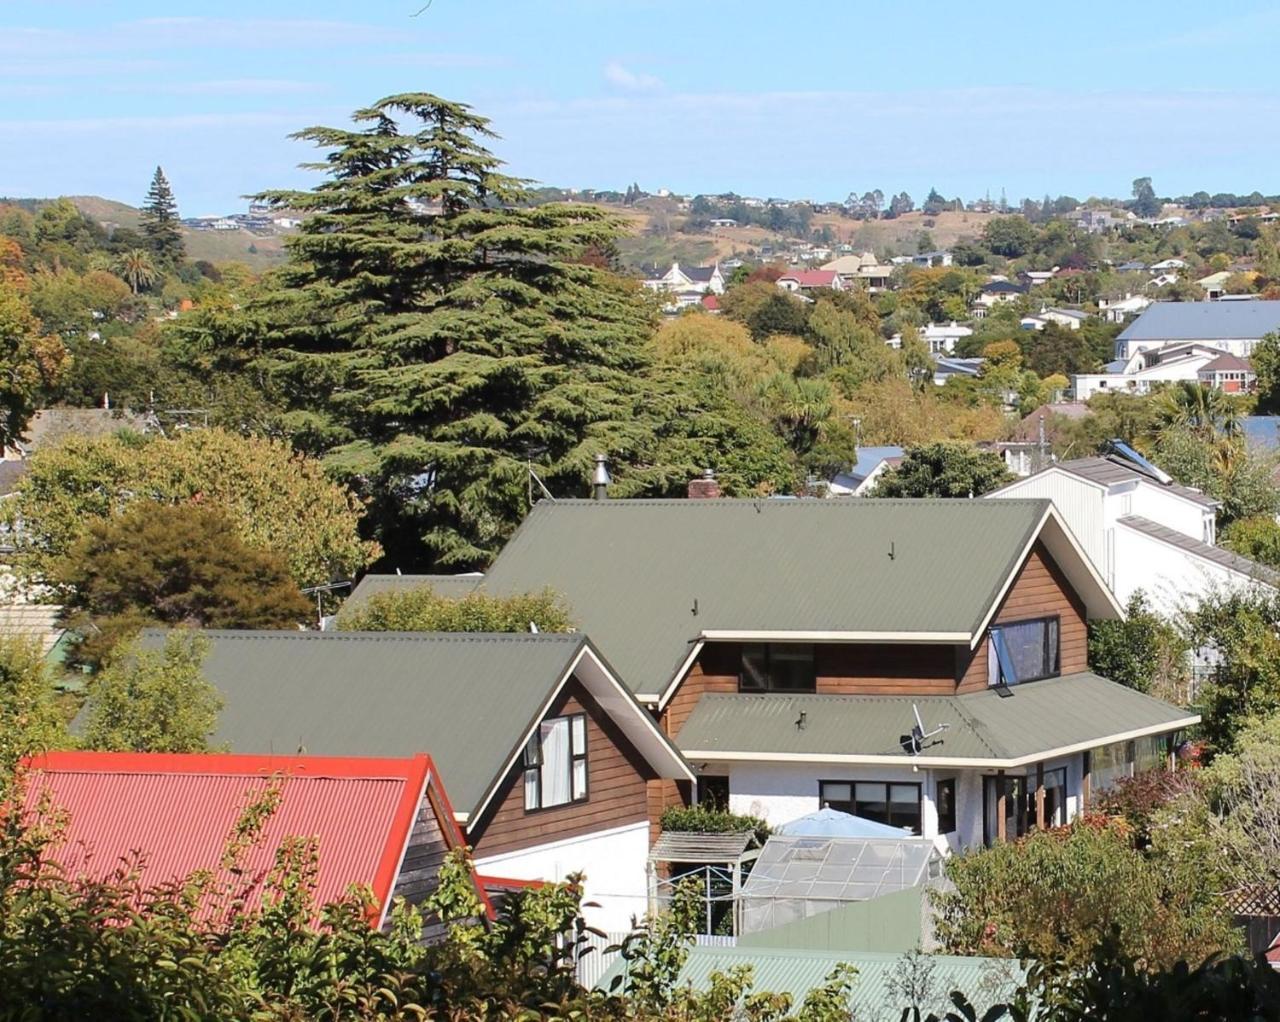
point(613, 861)
point(1172, 579)
point(1079, 503)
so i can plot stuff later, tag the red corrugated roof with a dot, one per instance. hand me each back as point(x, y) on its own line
point(711, 303)
point(179, 811)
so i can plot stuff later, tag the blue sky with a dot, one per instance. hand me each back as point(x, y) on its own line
point(761, 98)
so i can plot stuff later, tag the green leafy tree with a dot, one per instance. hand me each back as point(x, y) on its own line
point(172, 564)
point(425, 610)
point(1055, 895)
point(30, 361)
point(1266, 363)
point(1223, 467)
point(1145, 203)
point(1143, 652)
point(29, 718)
point(1242, 628)
point(160, 223)
point(435, 334)
point(944, 470)
point(154, 700)
point(1009, 236)
point(1257, 538)
point(279, 501)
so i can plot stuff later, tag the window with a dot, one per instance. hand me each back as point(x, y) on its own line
point(1022, 651)
point(713, 792)
point(769, 668)
point(897, 805)
point(945, 799)
point(555, 763)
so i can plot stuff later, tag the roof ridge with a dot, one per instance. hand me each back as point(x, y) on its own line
point(383, 636)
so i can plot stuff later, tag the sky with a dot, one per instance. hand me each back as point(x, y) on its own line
point(763, 99)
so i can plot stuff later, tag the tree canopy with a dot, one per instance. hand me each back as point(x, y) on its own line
point(944, 470)
point(425, 610)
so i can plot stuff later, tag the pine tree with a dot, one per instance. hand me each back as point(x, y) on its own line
point(160, 220)
point(436, 333)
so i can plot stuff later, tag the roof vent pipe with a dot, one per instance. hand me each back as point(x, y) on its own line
point(600, 479)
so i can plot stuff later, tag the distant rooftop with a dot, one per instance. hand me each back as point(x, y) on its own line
point(1204, 321)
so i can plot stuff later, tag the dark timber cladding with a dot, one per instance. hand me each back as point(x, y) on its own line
point(890, 669)
point(617, 789)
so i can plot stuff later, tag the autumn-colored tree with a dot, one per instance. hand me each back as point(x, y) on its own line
point(30, 361)
point(171, 564)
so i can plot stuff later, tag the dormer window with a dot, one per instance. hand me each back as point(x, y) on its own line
point(767, 667)
point(1022, 651)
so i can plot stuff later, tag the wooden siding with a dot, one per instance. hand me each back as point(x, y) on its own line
point(423, 858)
point(715, 670)
point(1040, 590)
point(617, 789)
point(890, 669)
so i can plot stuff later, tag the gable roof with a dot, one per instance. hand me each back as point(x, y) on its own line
point(471, 698)
point(699, 274)
point(1227, 362)
point(1218, 555)
point(988, 729)
point(811, 278)
point(650, 579)
point(180, 811)
point(1001, 287)
point(1028, 427)
point(1110, 470)
point(1191, 321)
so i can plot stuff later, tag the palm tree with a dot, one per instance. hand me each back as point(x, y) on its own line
point(1204, 410)
point(137, 268)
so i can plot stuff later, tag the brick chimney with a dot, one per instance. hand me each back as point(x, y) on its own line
point(705, 487)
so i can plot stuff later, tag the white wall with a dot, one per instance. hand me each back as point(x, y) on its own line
point(1172, 579)
point(1173, 512)
point(1079, 503)
point(614, 862)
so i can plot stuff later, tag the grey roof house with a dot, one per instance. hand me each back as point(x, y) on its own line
point(1234, 327)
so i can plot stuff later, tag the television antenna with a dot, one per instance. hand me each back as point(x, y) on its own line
point(914, 742)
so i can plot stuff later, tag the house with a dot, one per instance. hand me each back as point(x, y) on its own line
point(1071, 319)
point(810, 280)
point(1141, 530)
point(787, 646)
point(553, 766)
point(1034, 278)
point(1162, 280)
point(993, 293)
point(863, 269)
point(697, 279)
point(923, 260)
point(1117, 310)
point(945, 367)
point(1229, 374)
point(862, 476)
point(1234, 327)
point(942, 338)
point(723, 221)
point(1146, 369)
point(1168, 264)
point(1215, 284)
point(385, 824)
point(1030, 447)
point(1132, 266)
point(711, 303)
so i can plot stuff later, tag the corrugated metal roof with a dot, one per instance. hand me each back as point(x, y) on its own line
point(877, 989)
point(39, 622)
point(451, 586)
point(645, 578)
point(684, 846)
point(469, 698)
point(180, 812)
point(1218, 555)
point(1203, 321)
point(1111, 470)
point(1025, 721)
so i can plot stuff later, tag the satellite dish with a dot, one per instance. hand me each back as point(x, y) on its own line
point(914, 742)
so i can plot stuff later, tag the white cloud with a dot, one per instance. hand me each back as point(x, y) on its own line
point(633, 81)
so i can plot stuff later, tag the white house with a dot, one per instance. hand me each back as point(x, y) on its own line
point(1072, 319)
point(1141, 530)
point(1169, 264)
point(864, 269)
point(941, 338)
point(861, 477)
point(1147, 369)
point(699, 279)
point(1117, 310)
point(1235, 327)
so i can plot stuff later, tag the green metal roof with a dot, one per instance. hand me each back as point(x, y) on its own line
point(877, 989)
point(1077, 710)
point(633, 571)
point(466, 699)
point(451, 586)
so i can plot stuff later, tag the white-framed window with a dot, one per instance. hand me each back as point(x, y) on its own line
point(555, 763)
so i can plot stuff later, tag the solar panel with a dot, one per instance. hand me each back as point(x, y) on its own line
point(1129, 454)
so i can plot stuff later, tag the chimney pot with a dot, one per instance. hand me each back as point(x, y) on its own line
point(705, 487)
point(600, 479)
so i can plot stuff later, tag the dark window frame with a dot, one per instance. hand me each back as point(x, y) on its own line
point(949, 783)
point(576, 756)
point(770, 688)
point(1054, 669)
point(918, 827)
